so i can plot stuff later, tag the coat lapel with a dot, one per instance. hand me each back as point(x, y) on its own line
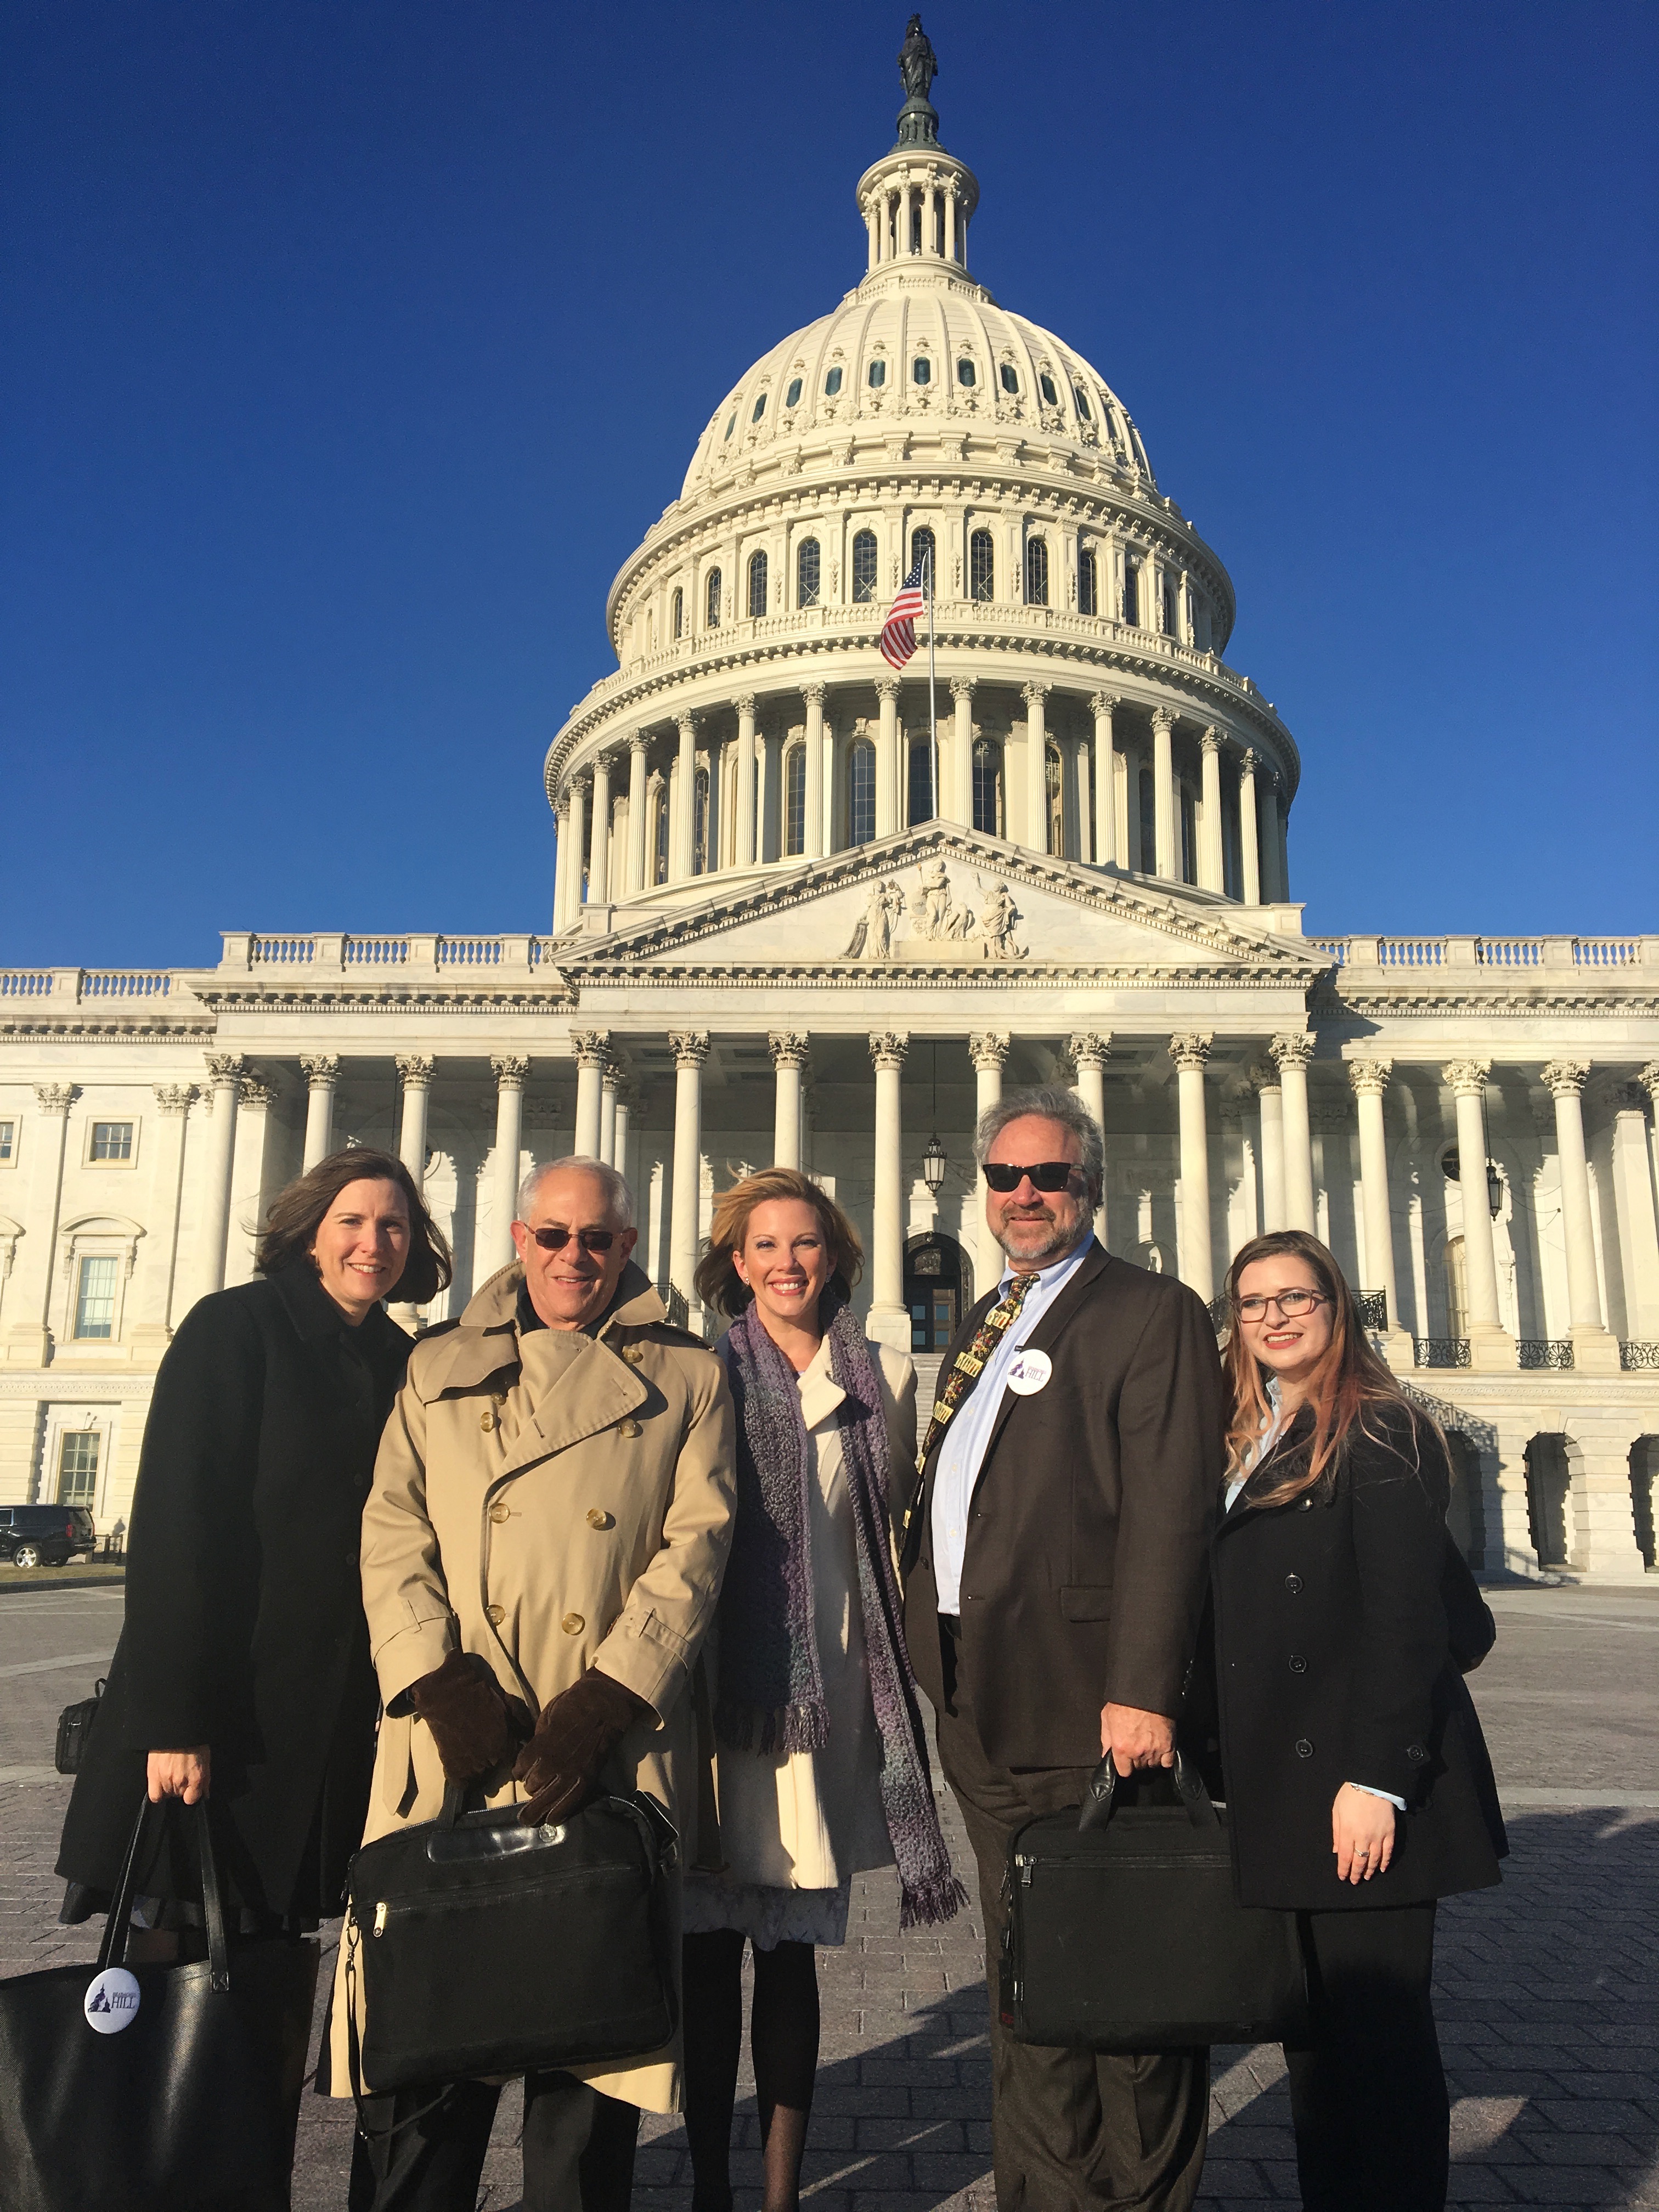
point(1047, 1333)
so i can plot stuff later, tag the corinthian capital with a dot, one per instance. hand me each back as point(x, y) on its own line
point(788, 1047)
point(1467, 1077)
point(510, 1069)
point(321, 1069)
point(415, 1068)
point(987, 1049)
point(1370, 1078)
point(689, 1047)
point(591, 1047)
point(1089, 1049)
point(1191, 1049)
point(1295, 1050)
point(889, 1047)
point(57, 1098)
point(1562, 1078)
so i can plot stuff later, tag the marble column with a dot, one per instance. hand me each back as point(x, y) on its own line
point(1648, 1077)
point(591, 1048)
point(813, 694)
point(608, 1081)
point(1105, 782)
point(322, 1074)
point(1036, 768)
point(415, 1070)
point(598, 862)
point(1189, 1052)
point(1632, 1198)
point(890, 1317)
point(1370, 1078)
point(987, 1049)
point(153, 1327)
point(1088, 1049)
point(1595, 1349)
point(562, 867)
point(1292, 1053)
point(961, 807)
point(28, 1339)
point(1490, 1344)
point(683, 803)
point(225, 1070)
point(691, 1050)
point(576, 890)
point(1250, 833)
point(622, 1128)
point(1211, 875)
point(789, 1052)
point(1268, 803)
point(747, 850)
point(638, 809)
point(1270, 1098)
point(950, 222)
point(888, 807)
point(510, 1071)
point(1166, 858)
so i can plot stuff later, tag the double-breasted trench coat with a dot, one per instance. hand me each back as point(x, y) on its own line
point(553, 1501)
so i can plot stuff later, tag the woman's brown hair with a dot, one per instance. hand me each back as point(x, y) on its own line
point(295, 1215)
point(1348, 1378)
point(719, 1284)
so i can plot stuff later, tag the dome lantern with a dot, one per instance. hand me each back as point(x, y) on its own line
point(917, 199)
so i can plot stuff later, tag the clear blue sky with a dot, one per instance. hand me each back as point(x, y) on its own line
point(350, 347)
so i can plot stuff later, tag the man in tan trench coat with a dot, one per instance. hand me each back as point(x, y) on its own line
point(549, 1523)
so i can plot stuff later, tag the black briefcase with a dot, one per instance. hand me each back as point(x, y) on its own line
point(485, 1947)
point(1124, 1932)
point(74, 1727)
point(155, 2089)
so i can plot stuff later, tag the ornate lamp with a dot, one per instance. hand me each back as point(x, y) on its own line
point(933, 1164)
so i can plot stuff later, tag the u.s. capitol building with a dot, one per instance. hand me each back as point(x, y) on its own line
point(787, 926)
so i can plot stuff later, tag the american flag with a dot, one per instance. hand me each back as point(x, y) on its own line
point(898, 637)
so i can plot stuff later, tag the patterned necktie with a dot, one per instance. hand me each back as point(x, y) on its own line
point(970, 1361)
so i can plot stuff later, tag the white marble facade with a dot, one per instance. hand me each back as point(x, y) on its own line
point(796, 918)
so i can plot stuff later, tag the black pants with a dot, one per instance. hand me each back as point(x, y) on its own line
point(578, 2149)
point(1071, 2130)
point(1368, 2095)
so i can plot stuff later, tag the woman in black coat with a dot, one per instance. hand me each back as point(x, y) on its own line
point(1358, 1779)
point(243, 1670)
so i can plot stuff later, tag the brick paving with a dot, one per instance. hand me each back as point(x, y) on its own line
point(1545, 1988)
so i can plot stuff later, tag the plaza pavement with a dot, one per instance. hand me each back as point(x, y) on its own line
point(1545, 1988)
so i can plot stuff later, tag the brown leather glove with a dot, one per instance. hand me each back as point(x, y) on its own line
point(474, 1723)
point(576, 1734)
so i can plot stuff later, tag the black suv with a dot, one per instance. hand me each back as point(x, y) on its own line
point(46, 1535)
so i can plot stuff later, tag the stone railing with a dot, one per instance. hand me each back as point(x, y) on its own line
point(329, 952)
point(74, 986)
point(1516, 956)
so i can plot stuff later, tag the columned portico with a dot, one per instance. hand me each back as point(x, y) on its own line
point(1270, 1105)
point(1089, 1050)
point(691, 1050)
point(1190, 1052)
point(890, 1317)
point(225, 1075)
point(1370, 1078)
point(509, 1070)
point(1595, 1349)
point(610, 1076)
point(987, 1049)
point(1491, 1345)
point(322, 1074)
point(1291, 1053)
point(414, 1075)
point(591, 1048)
point(788, 1049)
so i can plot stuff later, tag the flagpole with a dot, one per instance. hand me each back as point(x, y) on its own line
point(933, 707)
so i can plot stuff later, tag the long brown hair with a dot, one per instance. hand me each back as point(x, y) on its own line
point(719, 1284)
point(1348, 1378)
point(296, 1213)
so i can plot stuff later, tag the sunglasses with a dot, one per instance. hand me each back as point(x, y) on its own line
point(1046, 1174)
point(591, 1240)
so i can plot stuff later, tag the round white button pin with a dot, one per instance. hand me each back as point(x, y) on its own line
point(1030, 1370)
point(112, 2000)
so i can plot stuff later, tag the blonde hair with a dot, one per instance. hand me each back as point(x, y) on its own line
point(718, 1282)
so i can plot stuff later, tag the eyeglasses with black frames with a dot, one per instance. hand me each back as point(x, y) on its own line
point(1046, 1174)
point(591, 1240)
point(1291, 1305)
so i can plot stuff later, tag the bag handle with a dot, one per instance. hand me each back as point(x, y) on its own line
point(1189, 1786)
point(118, 1926)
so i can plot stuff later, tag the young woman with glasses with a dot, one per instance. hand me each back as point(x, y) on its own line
point(1356, 1772)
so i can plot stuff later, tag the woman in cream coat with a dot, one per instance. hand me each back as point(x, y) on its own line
point(821, 1768)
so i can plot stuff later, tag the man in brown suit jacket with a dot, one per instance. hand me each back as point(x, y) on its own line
point(1055, 1568)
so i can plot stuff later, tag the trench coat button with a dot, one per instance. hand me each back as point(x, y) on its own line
point(634, 1354)
point(573, 1624)
point(1293, 1584)
point(1305, 1746)
point(630, 1429)
point(1298, 1665)
point(494, 1614)
point(486, 1422)
point(599, 1518)
point(498, 1397)
point(1416, 1751)
point(500, 1510)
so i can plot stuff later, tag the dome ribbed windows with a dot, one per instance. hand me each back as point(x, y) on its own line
point(1036, 572)
point(791, 397)
point(921, 370)
point(832, 384)
point(1010, 377)
point(982, 566)
point(758, 409)
point(921, 548)
point(987, 787)
point(863, 565)
point(1088, 589)
point(967, 375)
point(861, 793)
point(757, 586)
point(1046, 383)
point(1083, 404)
point(794, 799)
point(712, 599)
point(677, 613)
point(808, 569)
point(877, 374)
point(732, 422)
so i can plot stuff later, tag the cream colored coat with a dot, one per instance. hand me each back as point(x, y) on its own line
point(807, 1820)
point(554, 1503)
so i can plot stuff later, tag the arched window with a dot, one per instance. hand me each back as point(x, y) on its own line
point(794, 799)
point(677, 613)
point(1148, 825)
point(757, 586)
point(1047, 383)
point(712, 599)
point(987, 787)
point(700, 825)
point(919, 782)
point(791, 397)
point(982, 566)
point(878, 374)
point(1055, 783)
point(967, 375)
point(861, 793)
point(1087, 597)
point(1010, 376)
point(921, 370)
point(922, 549)
point(832, 384)
point(1169, 604)
point(1132, 591)
point(863, 565)
point(807, 573)
point(1083, 402)
point(1036, 572)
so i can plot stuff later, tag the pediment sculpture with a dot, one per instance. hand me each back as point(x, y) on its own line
point(893, 926)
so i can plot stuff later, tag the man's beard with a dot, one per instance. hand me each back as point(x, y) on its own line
point(1060, 1238)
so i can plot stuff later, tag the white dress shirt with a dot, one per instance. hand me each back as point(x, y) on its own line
point(963, 1448)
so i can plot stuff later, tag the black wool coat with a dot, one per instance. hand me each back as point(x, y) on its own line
point(245, 1626)
point(1334, 1664)
point(1083, 1566)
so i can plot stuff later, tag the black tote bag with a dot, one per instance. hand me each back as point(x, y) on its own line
point(1124, 1931)
point(476, 1945)
point(185, 2102)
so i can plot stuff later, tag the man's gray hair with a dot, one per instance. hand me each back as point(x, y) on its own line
point(619, 1200)
point(1055, 1103)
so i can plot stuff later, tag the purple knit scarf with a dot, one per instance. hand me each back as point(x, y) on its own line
point(771, 1693)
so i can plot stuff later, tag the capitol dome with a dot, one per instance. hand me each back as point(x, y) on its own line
point(1079, 706)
